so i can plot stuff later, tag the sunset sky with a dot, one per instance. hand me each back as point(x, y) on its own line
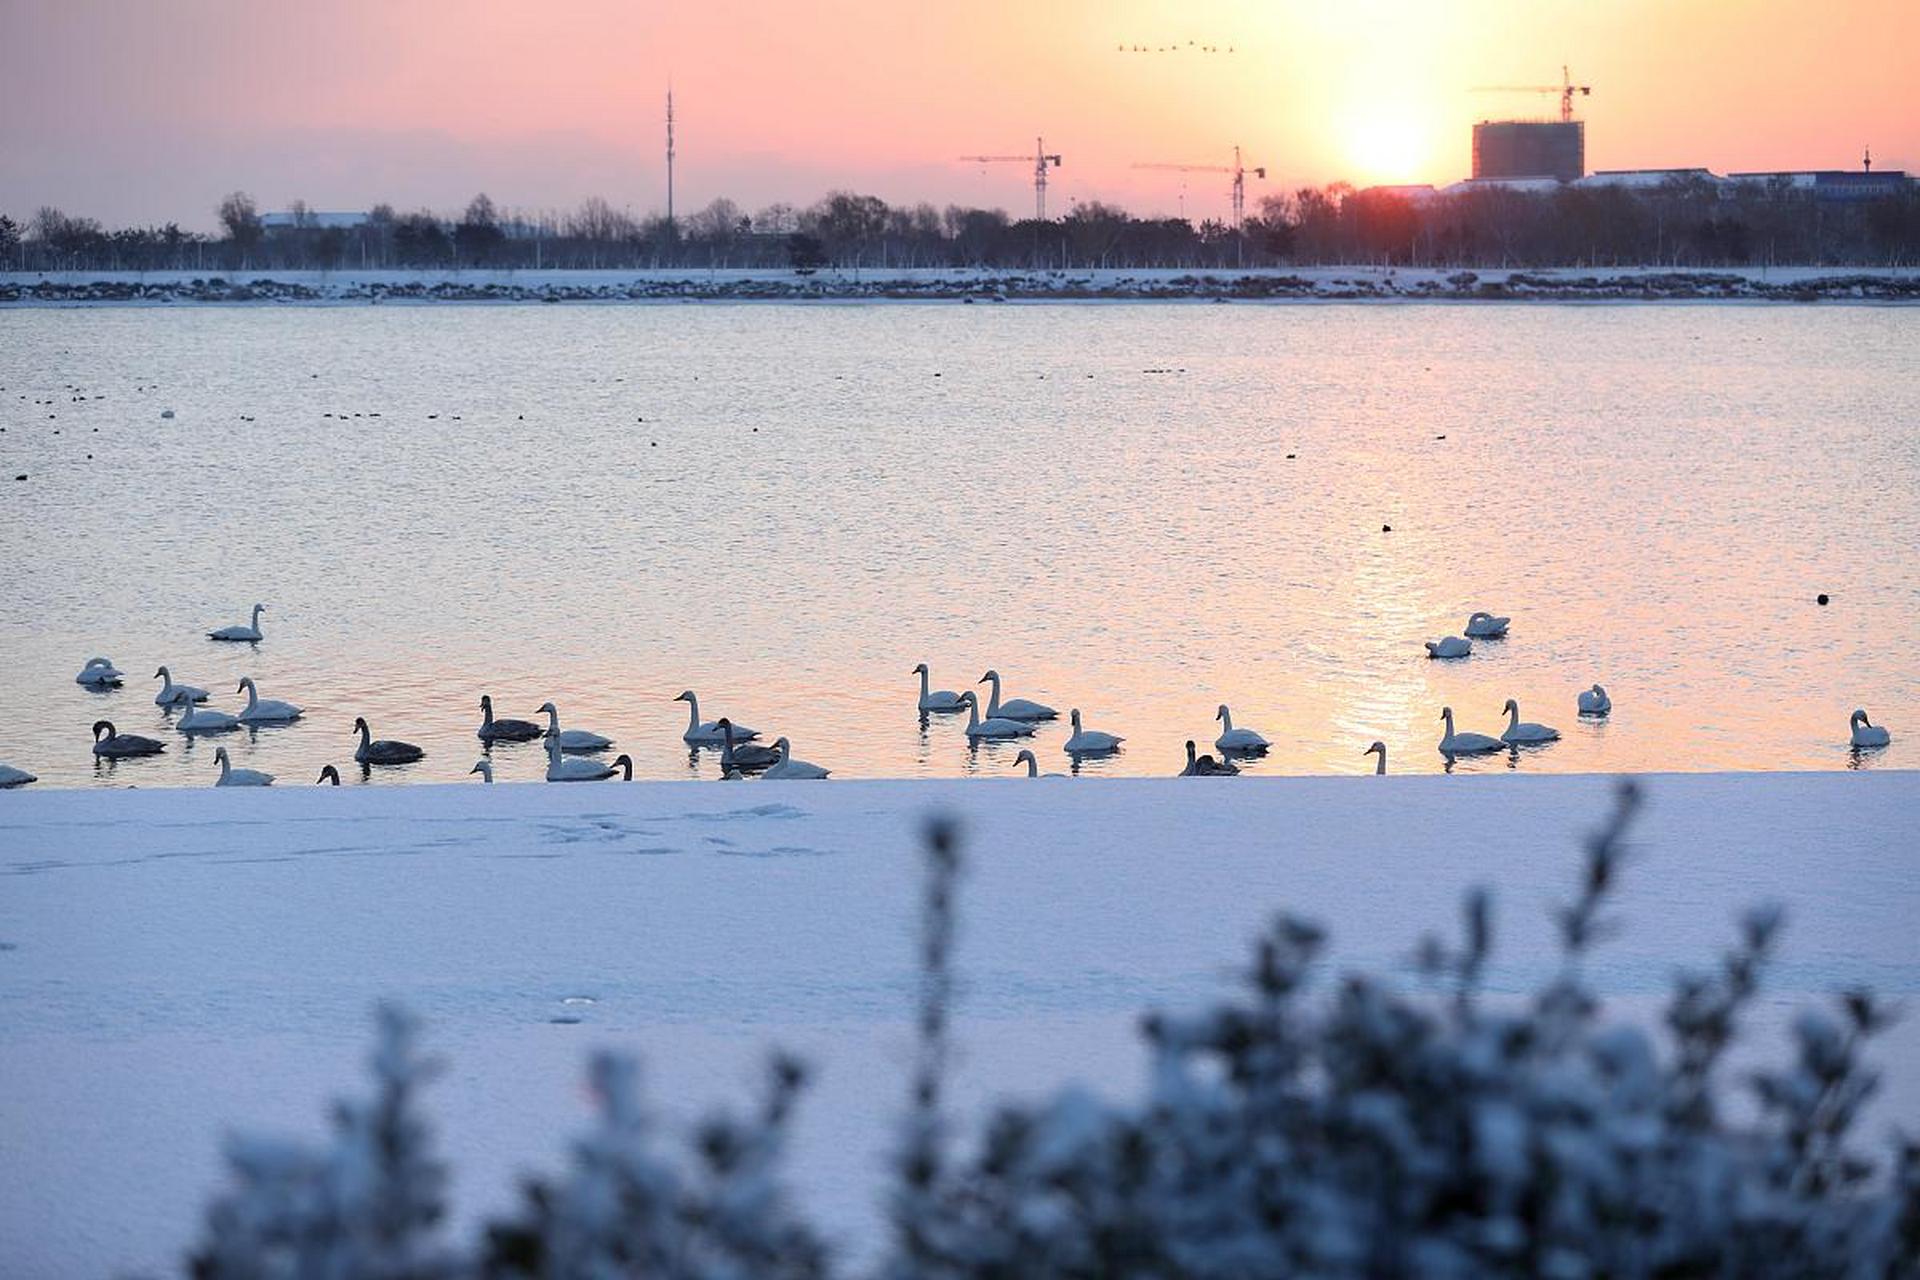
point(149, 111)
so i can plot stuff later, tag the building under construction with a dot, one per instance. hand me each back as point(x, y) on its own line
point(1530, 149)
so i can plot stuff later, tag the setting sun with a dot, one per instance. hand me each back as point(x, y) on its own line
point(1386, 149)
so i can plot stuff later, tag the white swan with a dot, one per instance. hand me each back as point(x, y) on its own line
point(1465, 744)
point(1232, 739)
point(232, 777)
point(790, 769)
point(1090, 741)
point(484, 768)
point(204, 720)
point(1033, 766)
point(264, 710)
point(1449, 647)
point(1483, 624)
point(1014, 708)
point(173, 695)
point(246, 634)
point(562, 769)
point(99, 673)
point(936, 699)
point(710, 731)
point(1595, 702)
point(1517, 732)
point(1379, 749)
point(992, 726)
point(571, 739)
point(1866, 733)
point(12, 777)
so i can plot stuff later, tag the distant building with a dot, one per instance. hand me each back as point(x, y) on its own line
point(1529, 186)
point(1411, 192)
point(1831, 184)
point(1643, 179)
point(313, 218)
point(1530, 149)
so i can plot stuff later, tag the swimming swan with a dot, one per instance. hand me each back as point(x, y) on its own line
point(1449, 647)
point(1379, 749)
point(329, 777)
point(1515, 732)
point(571, 739)
point(992, 726)
point(384, 751)
point(1014, 708)
point(1484, 625)
point(936, 699)
point(561, 769)
point(1206, 766)
point(710, 731)
point(492, 730)
point(115, 745)
point(204, 720)
point(484, 768)
point(264, 711)
point(790, 769)
point(624, 763)
point(12, 777)
point(1089, 741)
point(1866, 733)
point(742, 755)
point(1232, 739)
point(1595, 702)
point(1033, 766)
point(247, 634)
point(232, 777)
point(173, 695)
point(1465, 744)
point(99, 673)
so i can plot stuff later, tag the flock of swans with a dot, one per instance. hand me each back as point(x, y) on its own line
point(568, 749)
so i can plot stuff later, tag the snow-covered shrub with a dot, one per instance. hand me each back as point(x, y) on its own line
point(1300, 1129)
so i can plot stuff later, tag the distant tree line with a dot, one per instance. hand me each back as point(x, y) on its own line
point(1684, 223)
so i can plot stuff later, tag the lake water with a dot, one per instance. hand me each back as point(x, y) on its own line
point(1139, 510)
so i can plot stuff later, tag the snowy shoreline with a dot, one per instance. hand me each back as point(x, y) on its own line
point(182, 963)
point(1316, 284)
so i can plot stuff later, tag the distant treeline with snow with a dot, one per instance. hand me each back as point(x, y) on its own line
point(1681, 223)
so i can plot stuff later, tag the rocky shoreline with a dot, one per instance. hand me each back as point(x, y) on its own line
point(1324, 284)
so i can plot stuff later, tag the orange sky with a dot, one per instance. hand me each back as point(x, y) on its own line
point(148, 111)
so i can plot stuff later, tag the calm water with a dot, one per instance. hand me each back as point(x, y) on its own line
point(786, 507)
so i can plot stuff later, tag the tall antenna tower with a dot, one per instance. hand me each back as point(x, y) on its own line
point(669, 155)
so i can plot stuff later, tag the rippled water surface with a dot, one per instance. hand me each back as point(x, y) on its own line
point(1139, 510)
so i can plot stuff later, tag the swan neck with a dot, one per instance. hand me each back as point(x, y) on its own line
point(923, 684)
point(693, 712)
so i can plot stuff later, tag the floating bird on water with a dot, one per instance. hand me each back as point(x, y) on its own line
point(1516, 732)
point(624, 763)
point(1465, 744)
point(1484, 625)
point(492, 730)
point(484, 768)
point(115, 745)
point(1245, 741)
point(383, 751)
point(936, 699)
point(709, 732)
point(1090, 741)
point(1014, 708)
point(12, 777)
point(232, 777)
point(264, 710)
point(1379, 749)
point(195, 719)
point(173, 695)
point(245, 635)
point(1450, 647)
point(791, 770)
point(1206, 766)
point(992, 726)
point(572, 739)
point(1595, 702)
point(99, 673)
point(1865, 732)
point(329, 777)
point(742, 755)
point(1033, 766)
point(562, 769)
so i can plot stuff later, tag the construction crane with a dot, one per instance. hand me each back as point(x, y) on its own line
point(1039, 160)
point(1566, 89)
point(1238, 171)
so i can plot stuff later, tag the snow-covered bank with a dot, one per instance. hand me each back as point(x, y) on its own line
point(1356, 283)
point(182, 961)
